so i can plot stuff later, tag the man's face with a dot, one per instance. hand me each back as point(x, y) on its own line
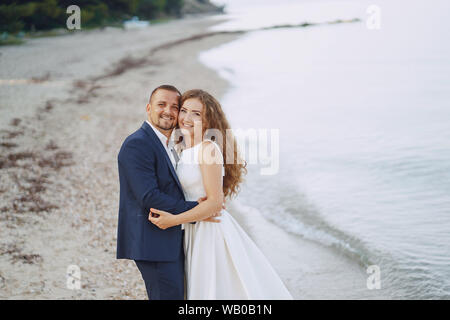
point(163, 109)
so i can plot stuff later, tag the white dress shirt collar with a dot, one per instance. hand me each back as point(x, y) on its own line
point(160, 135)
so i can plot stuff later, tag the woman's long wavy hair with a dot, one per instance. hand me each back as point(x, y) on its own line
point(214, 118)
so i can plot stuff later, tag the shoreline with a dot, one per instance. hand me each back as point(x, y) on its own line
point(76, 106)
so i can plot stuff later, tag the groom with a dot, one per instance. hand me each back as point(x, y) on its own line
point(148, 180)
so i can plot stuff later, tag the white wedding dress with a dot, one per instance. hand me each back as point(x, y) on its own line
point(221, 261)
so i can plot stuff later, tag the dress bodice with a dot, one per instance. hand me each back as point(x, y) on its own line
point(189, 174)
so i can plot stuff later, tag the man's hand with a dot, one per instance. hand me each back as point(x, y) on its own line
point(200, 200)
point(213, 218)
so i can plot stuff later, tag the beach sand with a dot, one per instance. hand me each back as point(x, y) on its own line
point(67, 103)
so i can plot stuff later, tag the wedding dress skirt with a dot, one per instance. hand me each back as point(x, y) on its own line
point(221, 260)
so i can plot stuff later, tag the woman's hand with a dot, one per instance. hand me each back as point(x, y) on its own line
point(162, 219)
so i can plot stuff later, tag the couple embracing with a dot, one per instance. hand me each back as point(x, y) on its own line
point(172, 218)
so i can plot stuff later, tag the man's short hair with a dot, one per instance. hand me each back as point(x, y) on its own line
point(165, 87)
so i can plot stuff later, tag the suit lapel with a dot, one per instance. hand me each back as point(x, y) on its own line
point(158, 143)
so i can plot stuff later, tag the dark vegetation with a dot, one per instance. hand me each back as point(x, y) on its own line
point(22, 15)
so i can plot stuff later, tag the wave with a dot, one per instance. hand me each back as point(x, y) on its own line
point(296, 215)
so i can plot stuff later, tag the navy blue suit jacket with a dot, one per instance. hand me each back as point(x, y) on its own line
point(147, 180)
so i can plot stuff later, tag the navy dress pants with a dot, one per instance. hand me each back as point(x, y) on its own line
point(163, 280)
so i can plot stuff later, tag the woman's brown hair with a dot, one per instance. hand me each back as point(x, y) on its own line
point(214, 118)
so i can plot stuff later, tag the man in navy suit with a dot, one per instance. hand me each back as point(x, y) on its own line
point(148, 180)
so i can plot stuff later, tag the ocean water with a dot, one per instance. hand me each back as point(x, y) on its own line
point(363, 115)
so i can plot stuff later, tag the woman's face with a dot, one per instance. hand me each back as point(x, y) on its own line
point(191, 116)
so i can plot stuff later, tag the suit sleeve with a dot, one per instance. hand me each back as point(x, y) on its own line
point(139, 170)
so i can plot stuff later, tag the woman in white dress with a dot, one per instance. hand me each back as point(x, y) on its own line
point(222, 262)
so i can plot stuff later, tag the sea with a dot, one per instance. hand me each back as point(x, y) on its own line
point(357, 101)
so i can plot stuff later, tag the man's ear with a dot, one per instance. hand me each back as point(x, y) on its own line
point(148, 107)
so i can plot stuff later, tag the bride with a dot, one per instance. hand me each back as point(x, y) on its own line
point(222, 262)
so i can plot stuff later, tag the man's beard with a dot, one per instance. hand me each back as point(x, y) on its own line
point(169, 126)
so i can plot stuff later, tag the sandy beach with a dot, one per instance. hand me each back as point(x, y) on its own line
point(66, 105)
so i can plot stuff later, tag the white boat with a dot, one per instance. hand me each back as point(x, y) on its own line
point(135, 23)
